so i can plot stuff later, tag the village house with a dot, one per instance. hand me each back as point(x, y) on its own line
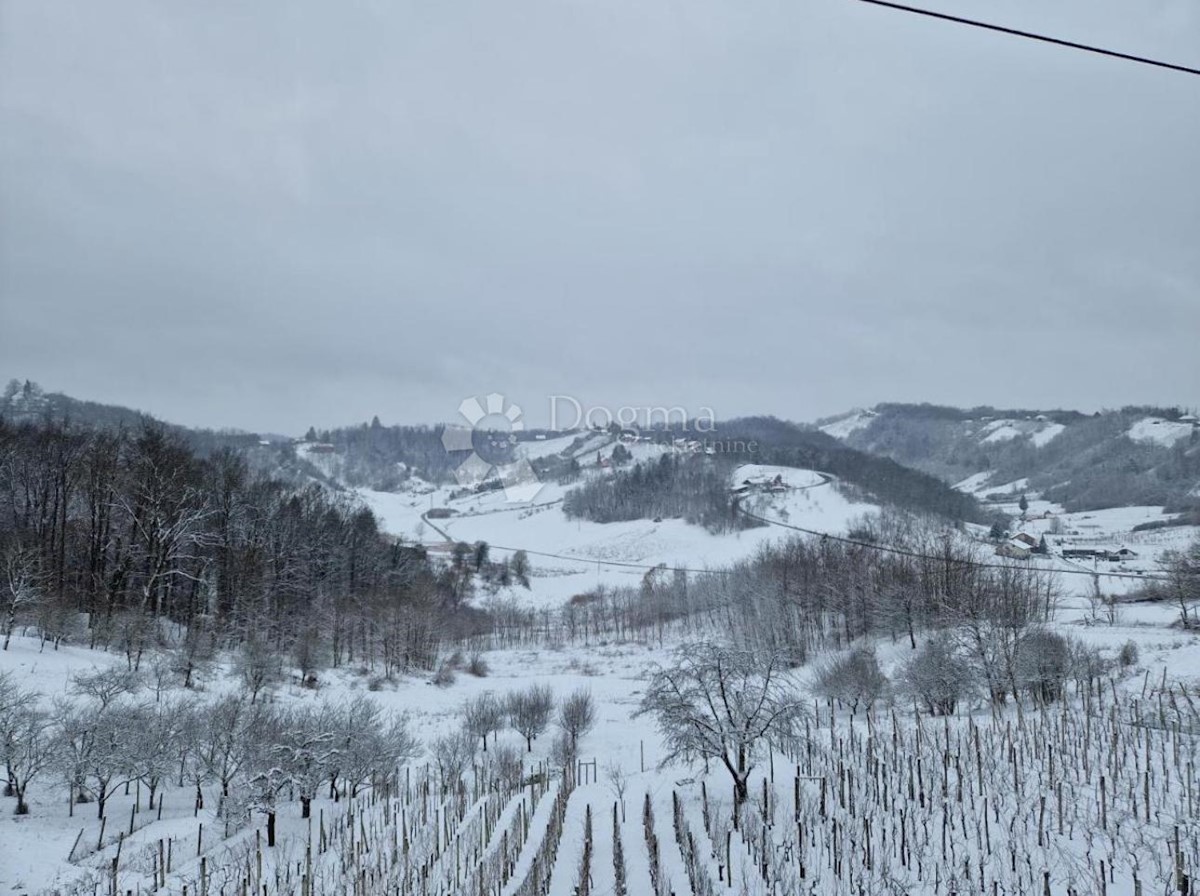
point(1014, 550)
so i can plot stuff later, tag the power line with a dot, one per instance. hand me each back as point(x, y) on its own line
point(916, 555)
point(887, 549)
point(1029, 35)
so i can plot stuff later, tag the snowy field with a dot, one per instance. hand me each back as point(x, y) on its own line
point(858, 771)
point(1007, 801)
point(571, 557)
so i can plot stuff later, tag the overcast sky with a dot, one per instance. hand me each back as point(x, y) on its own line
point(275, 214)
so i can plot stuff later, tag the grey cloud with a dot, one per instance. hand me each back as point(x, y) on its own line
point(271, 215)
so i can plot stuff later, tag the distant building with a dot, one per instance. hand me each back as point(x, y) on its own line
point(1026, 539)
point(1014, 550)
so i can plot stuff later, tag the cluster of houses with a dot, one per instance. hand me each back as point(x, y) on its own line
point(768, 484)
point(1023, 545)
point(1117, 556)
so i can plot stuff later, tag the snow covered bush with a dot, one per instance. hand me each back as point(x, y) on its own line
point(853, 679)
point(937, 676)
point(1043, 665)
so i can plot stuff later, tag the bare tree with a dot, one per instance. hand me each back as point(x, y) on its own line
point(77, 739)
point(305, 749)
point(991, 616)
point(725, 704)
point(619, 781)
point(109, 760)
point(505, 765)
point(577, 715)
point(529, 712)
point(12, 696)
point(105, 686)
point(482, 716)
point(28, 746)
point(1183, 579)
point(153, 742)
point(16, 707)
point(370, 745)
point(452, 753)
point(19, 588)
point(228, 737)
point(259, 667)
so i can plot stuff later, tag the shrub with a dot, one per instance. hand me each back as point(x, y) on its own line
point(938, 676)
point(444, 676)
point(1128, 655)
point(1043, 664)
point(852, 679)
point(1086, 663)
point(477, 665)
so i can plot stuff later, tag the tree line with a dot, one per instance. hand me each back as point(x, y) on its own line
point(118, 538)
point(694, 488)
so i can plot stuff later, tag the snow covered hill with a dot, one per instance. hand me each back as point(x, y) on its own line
point(1132, 456)
point(572, 557)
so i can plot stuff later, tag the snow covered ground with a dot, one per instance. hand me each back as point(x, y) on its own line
point(845, 426)
point(1159, 431)
point(573, 557)
point(34, 849)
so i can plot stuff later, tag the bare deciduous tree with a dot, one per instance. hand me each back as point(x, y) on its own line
point(619, 781)
point(577, 715)
point(22, 738)
point(105, 686)
point(28, 746)
point(725, 704)
point(19, 588)
point(452, 753)
point(259, 667)
point(1183, 579)
point(482, 716)
point(529, 712)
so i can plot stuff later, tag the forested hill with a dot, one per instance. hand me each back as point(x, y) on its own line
point(881, 478)
point(24, 401)
point(696, 487)
point(1131, 456)
point(134, 528)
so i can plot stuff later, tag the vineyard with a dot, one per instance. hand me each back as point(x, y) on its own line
point(1093, 796)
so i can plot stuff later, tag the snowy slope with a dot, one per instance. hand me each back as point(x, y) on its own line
point(1159, 431)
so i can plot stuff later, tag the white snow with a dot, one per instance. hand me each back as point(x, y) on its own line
point(1047, 434)
point(1159, 431)
point(1003, 433)
point(976, 482)
point(844, 427)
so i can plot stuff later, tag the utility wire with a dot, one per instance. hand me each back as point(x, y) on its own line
point(868, 545)
point(916, 555)
point(1029, 35)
